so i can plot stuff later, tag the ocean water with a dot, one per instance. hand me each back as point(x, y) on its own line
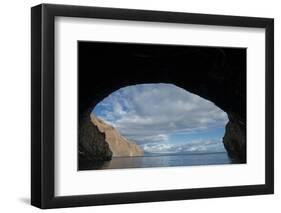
point(163, 160)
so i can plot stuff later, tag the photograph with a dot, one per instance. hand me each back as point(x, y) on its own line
point(139, 105)
point(144, 105)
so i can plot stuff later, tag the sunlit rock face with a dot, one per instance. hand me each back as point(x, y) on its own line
point(119, 145)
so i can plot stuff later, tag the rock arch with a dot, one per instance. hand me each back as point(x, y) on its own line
point(216, 74)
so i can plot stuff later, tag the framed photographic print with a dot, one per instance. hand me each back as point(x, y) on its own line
point(139, 106)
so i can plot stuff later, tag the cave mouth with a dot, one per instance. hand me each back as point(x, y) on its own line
point(163, 119)
point(217, 74)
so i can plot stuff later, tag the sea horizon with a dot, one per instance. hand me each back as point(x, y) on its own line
point(162, 160)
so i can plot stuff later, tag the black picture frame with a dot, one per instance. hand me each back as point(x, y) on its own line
point(43, 111)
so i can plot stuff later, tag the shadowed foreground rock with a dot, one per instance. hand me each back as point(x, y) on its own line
point(234, 139)
point(92, 144)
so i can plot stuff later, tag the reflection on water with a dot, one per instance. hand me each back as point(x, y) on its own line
point(162, 161)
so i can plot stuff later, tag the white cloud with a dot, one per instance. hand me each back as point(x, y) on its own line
point(149, 113)
point(197, 146)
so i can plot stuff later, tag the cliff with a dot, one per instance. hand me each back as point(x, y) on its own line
point(118, 144)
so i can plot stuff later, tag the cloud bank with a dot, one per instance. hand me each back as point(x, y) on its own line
point(149, 114)
point(198, 146)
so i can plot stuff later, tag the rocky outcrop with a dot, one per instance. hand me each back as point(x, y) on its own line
point(92, 144)
point(118, 144)
point(99, 142)
point(234, 139)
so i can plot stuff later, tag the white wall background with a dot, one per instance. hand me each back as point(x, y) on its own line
point(15, 105)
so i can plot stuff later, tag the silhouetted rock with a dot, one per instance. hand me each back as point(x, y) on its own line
point(234, 139)
point(92, 144)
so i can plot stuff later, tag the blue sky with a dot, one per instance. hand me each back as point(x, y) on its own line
point(163, 118)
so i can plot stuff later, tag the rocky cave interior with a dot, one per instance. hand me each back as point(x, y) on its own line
point(217, 74)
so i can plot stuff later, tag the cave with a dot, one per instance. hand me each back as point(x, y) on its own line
point(217, 74)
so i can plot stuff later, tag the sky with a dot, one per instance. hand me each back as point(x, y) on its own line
point(164, 118)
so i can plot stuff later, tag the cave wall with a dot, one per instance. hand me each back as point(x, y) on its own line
point(216, 74)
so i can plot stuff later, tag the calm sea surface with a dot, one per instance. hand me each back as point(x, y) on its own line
point(161, 160)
